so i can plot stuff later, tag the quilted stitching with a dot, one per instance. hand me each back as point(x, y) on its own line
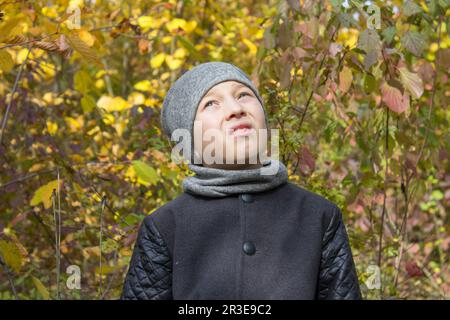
point(149, 276)
point(337, 277)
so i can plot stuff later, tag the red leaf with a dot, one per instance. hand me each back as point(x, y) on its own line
point(394, 98)
point(413, 270)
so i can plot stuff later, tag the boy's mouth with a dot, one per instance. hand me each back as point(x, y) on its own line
point(240, 130)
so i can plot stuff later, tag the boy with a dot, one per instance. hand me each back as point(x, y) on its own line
point(240, 230)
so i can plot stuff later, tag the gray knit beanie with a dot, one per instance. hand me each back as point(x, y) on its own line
point(182, 100)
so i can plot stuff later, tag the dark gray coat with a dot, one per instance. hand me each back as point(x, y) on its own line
point(285, 243)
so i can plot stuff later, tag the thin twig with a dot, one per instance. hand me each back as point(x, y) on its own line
point(24, 178)
point(427, 127)
point(16, 82)
point(108, 287)
point(8, 275)
point(103, 204)
point(59, 232)
point(383, 213)
point(316, 86)
point(56, 242)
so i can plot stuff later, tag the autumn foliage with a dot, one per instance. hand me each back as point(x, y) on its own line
point(358, 91)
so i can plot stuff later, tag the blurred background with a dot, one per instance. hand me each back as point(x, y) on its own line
point(358, 90)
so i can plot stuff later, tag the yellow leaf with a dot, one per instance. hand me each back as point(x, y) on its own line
point(130, 173)
point(190, 26)
point(136, 98)
point(412, 82)
point(11, 255)
point(78, 188)
point(348, 37)
point(87, 103)
point(100, 83)
point(46, 70)
point(106, 269)
point(52, 127)
point(10, 28)
point(251, 46)
point(90, 251)
point(82, 81)
point(146, 22)
point(76, 4)
point(44, 193)
point(41, 288)
point(23, 251)
point(144, 85)
point(176, 23)
point(108, 119)
point(86, 37)
point(74, 124)
point(111, 104)
point(120, 127)
point(166, 39)
point(6, 61)
point(180, 53)
point(96, 197)
point(173, 63)
point(157, 60)
point(83, 49)
point(20, 56)
point(50, 12)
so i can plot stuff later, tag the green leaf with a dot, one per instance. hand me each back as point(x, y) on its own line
point(411, 8)
point(6, 61)
point(41, 288)
point(414, 42)
point(109, 246)
point(369, 83)
point(146, 174)
point(412, 82)
point(369, 41)
point(347, 20)
point(389, 34)
point(437, 195)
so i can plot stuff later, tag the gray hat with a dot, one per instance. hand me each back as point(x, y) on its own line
point(182, 100)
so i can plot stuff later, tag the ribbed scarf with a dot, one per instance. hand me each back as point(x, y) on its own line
point(218, 183)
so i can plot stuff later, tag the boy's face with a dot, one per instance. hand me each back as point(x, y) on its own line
point(229, 115)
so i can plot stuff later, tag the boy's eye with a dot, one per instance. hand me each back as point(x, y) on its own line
point(240, 94)
point(244, 93)
point(207, 104)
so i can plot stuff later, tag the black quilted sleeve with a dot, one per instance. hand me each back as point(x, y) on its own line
point(149, 275)
point(338, 279)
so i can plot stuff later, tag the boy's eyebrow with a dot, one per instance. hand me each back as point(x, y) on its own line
point(233, 85)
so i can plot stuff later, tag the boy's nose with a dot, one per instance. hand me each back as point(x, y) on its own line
point(234, 109)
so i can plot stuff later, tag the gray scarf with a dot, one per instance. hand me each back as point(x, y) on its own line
point(218, 183)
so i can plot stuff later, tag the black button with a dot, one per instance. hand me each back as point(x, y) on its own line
point(249, 248)
point(247, 197)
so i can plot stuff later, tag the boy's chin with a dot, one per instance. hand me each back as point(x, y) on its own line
point(236, 163)
point(233, 166)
